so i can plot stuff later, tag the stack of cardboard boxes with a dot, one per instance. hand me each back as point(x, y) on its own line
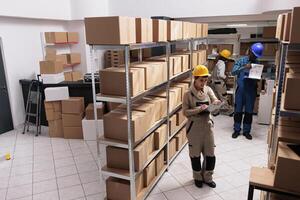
point(72, 115)
point(128, 30)
point(52, 67)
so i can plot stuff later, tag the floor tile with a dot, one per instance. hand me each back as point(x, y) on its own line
point(168, 183)
point(65, 171)
point(43, 175)
point(3, 194)
point(159, 196)
point(19, 191)
point(93, 187)
point(64, 162)
point(214, 197)
point(21, 170)
point(68, 181)
point(88, 166)
point(44, 186)
point(53, 195)
point(178, 194)
point(4, 182)
point(96, 196)
point(73, 192)
point(20, 180)
point(198, 193)
point(90, 176)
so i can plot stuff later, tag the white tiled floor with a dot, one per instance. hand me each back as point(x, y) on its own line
point(49, 169)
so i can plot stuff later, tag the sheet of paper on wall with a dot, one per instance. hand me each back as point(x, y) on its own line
point(213, 107)
point(256, 71)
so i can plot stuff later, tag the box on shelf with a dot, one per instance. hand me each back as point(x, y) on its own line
point(73, 105)
point(153, 72)
point(53, 78)
point(185, 62)
point(56, 37)
point(159, 162)
point(89, 111)
point(180, 117)
point(149, 173)
point(51, 67)
point(194, 59)
point(73, 132)
point(56, 128)
point(199, 30)
point(174, 30)
point(291, 94)
point(52, 115)
point(113, 81)
point(73, 37)
point(280, 26)
point(179, 140)
point(186, 30)
point(172, 147)
point(119, 189)
point(63, 58)
point(160, 106)
point(54, 105)
point(177, 97)
point(89, 129)
point(175, 64)
point(144, 31)
point(56, 93)
point(50, 54)
point(76, 76)
point(111, 106)
point(172, 122)
point(193, 30)
point(117, 158)
point(72, 120)
point(295, 29)
point(160, 136)
point(293, 57)
point(159, 30)
point(204, 30)
point(119, 117)
point(287, 169)
point(184, 88)
point(287, 26)
point(110, 30)
point(73, 58)
point(68, 76)
point(269, 32)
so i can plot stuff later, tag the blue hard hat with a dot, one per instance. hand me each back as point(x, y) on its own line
point(257, 49)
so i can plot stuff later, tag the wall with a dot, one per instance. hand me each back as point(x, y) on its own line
point(271, 5)
point(91, 8)
point(22, 52)
point(45, 9)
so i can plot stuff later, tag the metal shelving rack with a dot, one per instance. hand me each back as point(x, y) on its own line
point(128, 100)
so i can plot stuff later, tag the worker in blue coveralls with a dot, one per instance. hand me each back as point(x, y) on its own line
point(246, 91)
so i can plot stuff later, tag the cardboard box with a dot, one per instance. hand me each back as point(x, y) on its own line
point(50, 54)
point(76, 76)
point(160, 106)
point(172, 147)
point(56, 128)
point(186, 30)
point(113, 81)
point(173, 97)
point(73, 58)
point(293, 57)
point(176, 97)
point(184, 88)
point(89, 111)
point(185, 62)
point(280, 26)
point(63, 58)
point(193, 30)
point(118, 158)
point(54, 105)
point(111, 106)
point(287, 26)
point(56, 37)
point(291, 95)
point(68, 76)
point(269, 32)
point(153, 73)
point(51, 67)
point(72, 120)
point(149, 173)
point(139, 127)
point(119, 189)
point(295, 29)
point(179, 140)
point(73, 105)
point(56, 93)
point(73, 132)
point(159, 162)
point(173, 127)
point(110, 30)
point(89, 129)
point(144, 31)
point(204, 30)
point(52, 115)
point(176, 66)
point(199, 30)
point(174, 30)
point(194, 59)
point(287, 170)
point(180, 117)
point(160, 136)
point(53, 78)
point(159, 30)
point(73, 37)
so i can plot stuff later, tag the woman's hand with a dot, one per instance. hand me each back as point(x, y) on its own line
point(248, 66)
point(217, 102)
point(202, 107)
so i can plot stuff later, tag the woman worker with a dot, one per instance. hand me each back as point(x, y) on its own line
point(199, 127)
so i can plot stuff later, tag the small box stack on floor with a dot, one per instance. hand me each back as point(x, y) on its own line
point(149, 125)
point(284, 131)
point(58, 67)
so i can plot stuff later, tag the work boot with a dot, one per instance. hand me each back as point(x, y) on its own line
point(198, 183)
point(235, 134)
point(248, 136)
point(211, 184)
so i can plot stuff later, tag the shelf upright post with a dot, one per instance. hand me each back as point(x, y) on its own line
point(191, 48)
point(140, 55)
point(129, 124)
point(283, 54)
point(168, 53)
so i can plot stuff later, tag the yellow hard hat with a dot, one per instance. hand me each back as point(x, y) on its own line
point(200, 70)
point(225, 53)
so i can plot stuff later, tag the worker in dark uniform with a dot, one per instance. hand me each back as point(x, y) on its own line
point(199, 127)
point(246, 91)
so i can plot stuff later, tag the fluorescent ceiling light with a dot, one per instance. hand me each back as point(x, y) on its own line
point(237, 25)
